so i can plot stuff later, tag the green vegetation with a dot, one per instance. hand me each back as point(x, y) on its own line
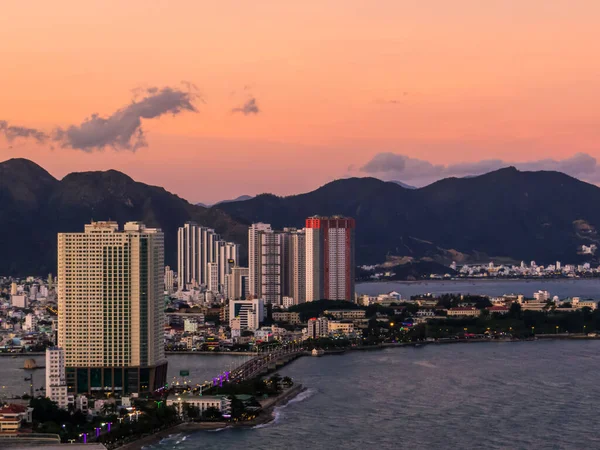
point(315, 309)
point(70, 425)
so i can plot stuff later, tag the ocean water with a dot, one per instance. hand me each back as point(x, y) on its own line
point(525, 395)
point(200, 367)
point(584, 288)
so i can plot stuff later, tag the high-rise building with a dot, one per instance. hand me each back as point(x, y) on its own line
point(255, 256)
point(213, 276)
point(197, 247)
point(56, 382)
point(330, 264)
point(110, 308)
point(188, 255)
point(294, 265)
point(271, 266)
point(264, 258)
point(169, 280)
point(249, 313)
point(228, 257)
point(237, 284)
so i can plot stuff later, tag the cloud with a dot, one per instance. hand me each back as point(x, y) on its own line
point(12, 132)
point(392, 166)
point(250, 107)
point(122, 130)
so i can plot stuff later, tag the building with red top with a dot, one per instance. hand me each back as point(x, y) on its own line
point(330, 266)
point(11, 417)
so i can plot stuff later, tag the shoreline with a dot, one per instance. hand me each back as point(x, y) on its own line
point(475, 279)
point(194, 352)
point(265, 416)
point(268, 406)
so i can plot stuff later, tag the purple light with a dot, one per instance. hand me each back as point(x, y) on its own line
point(85, 438)
point(97, 432)
point(109, 427)
point(227, 375)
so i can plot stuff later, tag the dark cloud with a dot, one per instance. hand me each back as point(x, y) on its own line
point(392, 166)
point(122, 130)
point(13, 132)
point(250, 107)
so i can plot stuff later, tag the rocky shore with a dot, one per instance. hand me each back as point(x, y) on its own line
point(265, 416)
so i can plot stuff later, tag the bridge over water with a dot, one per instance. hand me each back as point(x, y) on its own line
point(262, 363)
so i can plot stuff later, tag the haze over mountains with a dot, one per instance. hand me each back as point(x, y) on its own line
point(241, 198)
point(502, 215)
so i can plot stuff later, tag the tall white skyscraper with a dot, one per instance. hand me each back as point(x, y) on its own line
point(228, 257)
point(255, 256)
point(111, 308)
point(294, 265)
point(213, 277)
point(197, 247)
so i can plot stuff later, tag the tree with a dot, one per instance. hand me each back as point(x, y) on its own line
point(287, 381)
point(212, 413)
point(515, 310)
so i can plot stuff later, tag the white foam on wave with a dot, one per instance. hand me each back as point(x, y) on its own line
point(278, 414)
point(216, 430)
point(425, 364)
point(304, 395)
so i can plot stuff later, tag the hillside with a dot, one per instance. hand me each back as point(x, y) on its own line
point(506, 215)
point(34, 207)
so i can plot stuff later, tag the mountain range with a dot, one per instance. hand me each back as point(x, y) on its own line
point(34, 207)
point(505, 216)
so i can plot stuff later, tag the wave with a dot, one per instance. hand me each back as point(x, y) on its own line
point(278, 414)
point(425, 364)
point(216, 430)
point(304, 395)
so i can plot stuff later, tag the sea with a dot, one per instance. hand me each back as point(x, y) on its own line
point(563, 288)
point(493, 395)
point(522, 395)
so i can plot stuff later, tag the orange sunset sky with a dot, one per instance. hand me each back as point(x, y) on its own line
point(418, 89)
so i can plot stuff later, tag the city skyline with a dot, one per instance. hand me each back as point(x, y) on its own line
point(280, 99)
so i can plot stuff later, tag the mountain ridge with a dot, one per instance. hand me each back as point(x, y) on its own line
point(505, 215)
point(31, 217)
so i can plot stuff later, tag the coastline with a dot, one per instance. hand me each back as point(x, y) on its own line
point(477, 279)
point(266, 416)
point(194, 352)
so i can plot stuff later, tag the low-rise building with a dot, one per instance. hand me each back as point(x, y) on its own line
point(202, 402)
point(463, 311)
point(498, 309)
point(346, 314)
point(292, 318)
point(337, 327)
point(11, 417)
point(534, 306)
